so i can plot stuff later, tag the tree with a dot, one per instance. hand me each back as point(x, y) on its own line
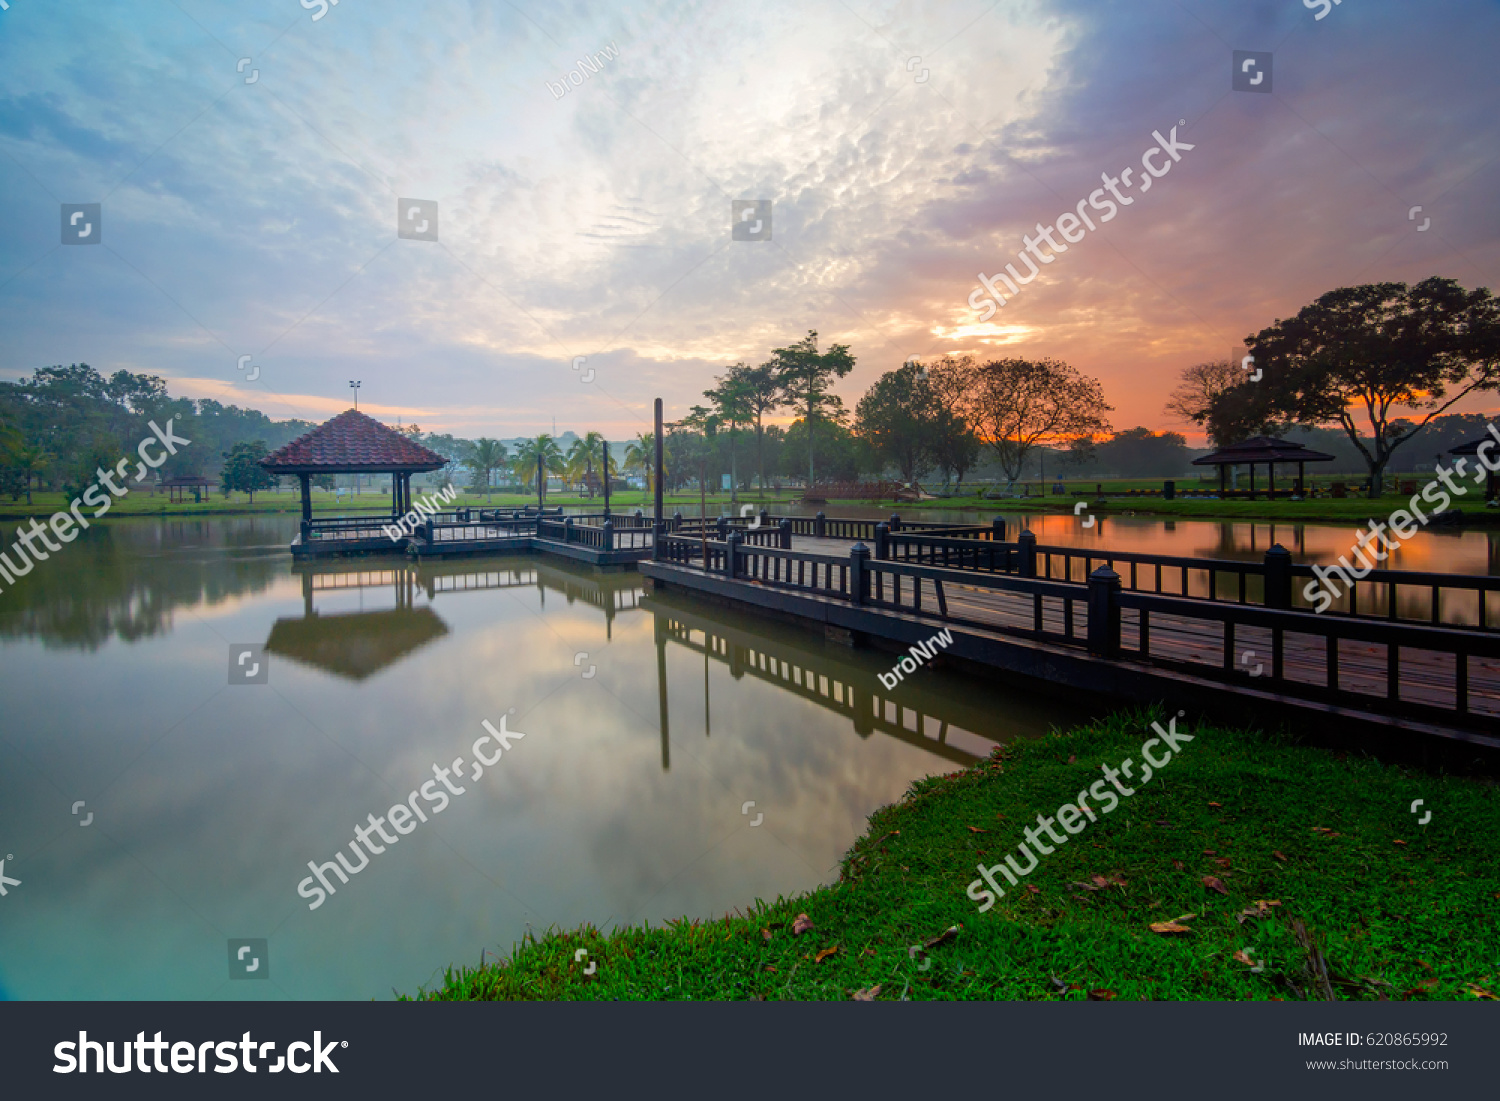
point(1367, 350)
point(242, 471)
point(485, 456)
point(1016, 405)
point(580, 460)
point(732, 407)
point(898, 418)
point(536, 458)
point(1142, 453)
point(803, 377)
point(640, 454)
point(28, 460)
point(761, 394)
point(1197, 395)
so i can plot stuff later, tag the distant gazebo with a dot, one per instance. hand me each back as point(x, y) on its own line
point(178, 488)
point(352, 443)
point(1263, 450)
point(1491, 479)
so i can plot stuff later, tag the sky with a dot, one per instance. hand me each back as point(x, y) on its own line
point(250, 160)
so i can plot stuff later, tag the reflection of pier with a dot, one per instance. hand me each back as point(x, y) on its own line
point(359, 644)
point(924, 717)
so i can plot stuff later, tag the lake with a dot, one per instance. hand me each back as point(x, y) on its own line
point(677, 760)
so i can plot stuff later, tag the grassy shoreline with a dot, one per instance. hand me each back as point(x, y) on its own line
point(1353, 510)
point(1324, 839)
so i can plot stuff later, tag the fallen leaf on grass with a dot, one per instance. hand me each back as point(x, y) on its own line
point(771, 969)
point(766, 934)
point(1222, 861)
point(1260, 909)
point(1101, 995)
point(1244, 958)
point(1033, 888)
point(1214, 883)
point(802, 924)
point(1072, 758)
point(1179, 865)
point(944, 937)
point(1398, 841)
point(867, 995)
point(1481, 992)
point(1279, 855)
point(1326, 832)
point(1169, 928)
point(975, 829)
point(825, 953)
point(1216, 804)
point(1210, 852)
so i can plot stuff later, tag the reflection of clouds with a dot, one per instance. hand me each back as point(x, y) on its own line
point(206, 833)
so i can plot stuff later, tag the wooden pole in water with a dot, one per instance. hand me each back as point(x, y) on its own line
point(703, 509)
point(604, 446)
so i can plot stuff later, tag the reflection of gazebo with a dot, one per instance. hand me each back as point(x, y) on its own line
point(1492, 477)
point(355, 645)
point(1262, 450)
point(352, 443)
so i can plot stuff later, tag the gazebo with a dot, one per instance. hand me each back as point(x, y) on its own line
point(352, 443)
point(1492, 478)
point(178, 488)
point(1265, 450)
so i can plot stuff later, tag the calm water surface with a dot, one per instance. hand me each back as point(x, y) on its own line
point(649, 722)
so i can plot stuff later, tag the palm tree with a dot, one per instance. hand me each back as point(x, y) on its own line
point(486, 456)
point(30, 460)
point(580, 460)
point(640, 455)
point(537, 458)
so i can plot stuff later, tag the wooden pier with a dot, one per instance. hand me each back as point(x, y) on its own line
point(1404, 653)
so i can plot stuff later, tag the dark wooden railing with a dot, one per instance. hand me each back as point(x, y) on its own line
point(1424, 673)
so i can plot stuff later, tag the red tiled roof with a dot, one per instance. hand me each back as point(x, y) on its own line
point(352, 442)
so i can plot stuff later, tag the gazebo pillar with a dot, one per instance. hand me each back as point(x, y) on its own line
point(1271, 474)
point(1252, 481)
point(305, 480)
point(1223, 474)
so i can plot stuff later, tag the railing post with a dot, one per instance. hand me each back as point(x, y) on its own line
point(1278, 577)
point(785, 527)
point(997, 530)
point(568, 529)
point(895, 521)
point(609, 535)
point(765, 517)
point(677, 521)
point(1104, 613)
point(820, 525)
point(306, 532)
point(731, 553)
point(882, 547)
point(723, 526)
point(859, 577)
point(1026, 544)
point(428, 527)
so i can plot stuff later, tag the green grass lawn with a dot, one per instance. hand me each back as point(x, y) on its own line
point(1317, 867)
